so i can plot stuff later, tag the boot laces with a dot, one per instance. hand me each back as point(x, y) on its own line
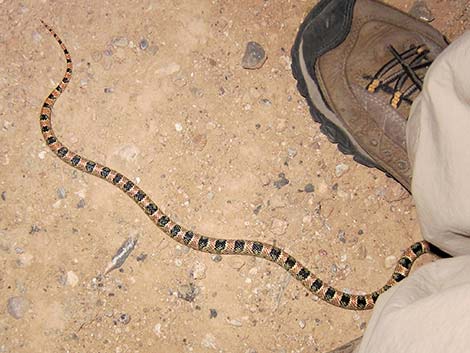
point(401, 76)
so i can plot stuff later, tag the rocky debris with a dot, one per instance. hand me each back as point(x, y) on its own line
point(212, 313)
point(71, 279)
point(198, 271)
point(187, 292)
point(254, 56)
point(120, 42)
point(124, 318)
point(234, 322)
point(282, 181)
point(141, 257)
point(342, 236)
point(216, 258)
point(309, 188)
point(17, 307)
point(81, 203)
point(61, 193)
point(340, 169)
point(143, 44)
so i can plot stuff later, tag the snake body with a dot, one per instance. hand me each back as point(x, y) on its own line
point(203, 243)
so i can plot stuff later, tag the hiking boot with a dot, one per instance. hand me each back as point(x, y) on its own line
point(360, 64)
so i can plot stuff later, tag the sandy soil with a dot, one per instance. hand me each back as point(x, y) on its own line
point(207, 140)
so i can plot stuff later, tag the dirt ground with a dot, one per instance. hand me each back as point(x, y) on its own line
point(213, 144)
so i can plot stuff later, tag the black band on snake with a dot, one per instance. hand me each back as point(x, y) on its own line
point(206, 244)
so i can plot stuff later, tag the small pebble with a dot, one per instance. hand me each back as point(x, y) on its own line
point(234, 322)
point(309, 188)
point(108, 90)
point(196, 92)
point(157, 329)
point(178, 127)
point(71, 279)
point(143, 44)
point(342, 236)
point(4, 195)
point(302, 324)
point(216, 258)
point(141, 257)
point(34, 229)
point(340, 169)
point(124, 318)
point(17, 307)
point(120, 42)
point(198, 271)
point(81, 203)
point(212, 313)
point(291, 152)
point(282, 181)
point(61, 193)
point(266, 102)
point(42, 154)
point(390, 261)
point(254, 56)
point(188, 292)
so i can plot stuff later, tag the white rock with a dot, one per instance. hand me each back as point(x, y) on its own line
point(198, 271)
point(157, 329)
point(71, 279)
point(341, 169)
point(178, 127)
point(234, 322)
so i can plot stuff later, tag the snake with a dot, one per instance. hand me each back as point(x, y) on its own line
point(199, 242)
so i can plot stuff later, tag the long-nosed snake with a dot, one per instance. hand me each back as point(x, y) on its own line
point(207, 244)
